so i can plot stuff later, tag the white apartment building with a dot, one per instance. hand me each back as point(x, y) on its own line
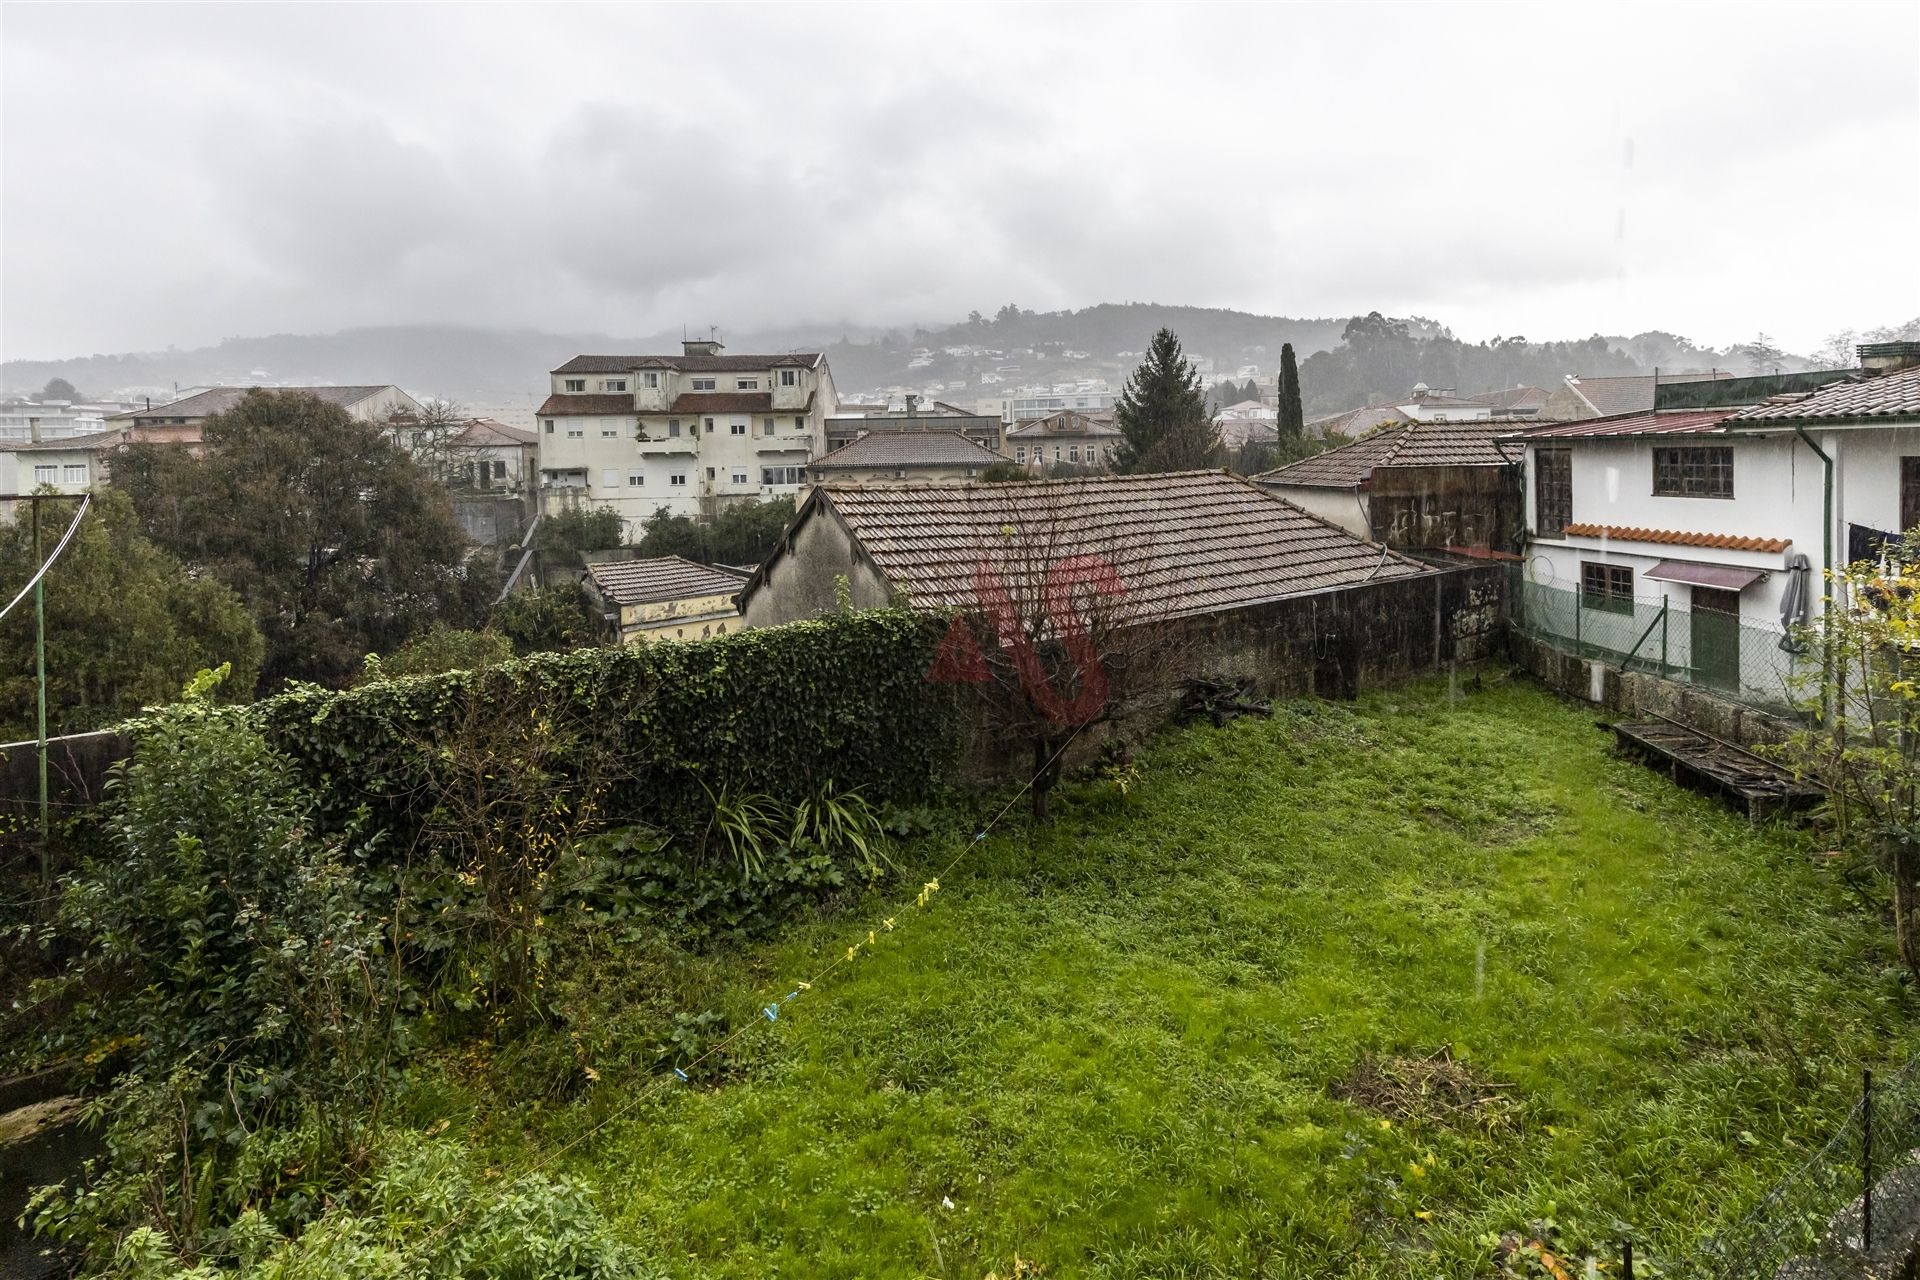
point(687, 434)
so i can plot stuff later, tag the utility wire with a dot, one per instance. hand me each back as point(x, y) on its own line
point(64, 538)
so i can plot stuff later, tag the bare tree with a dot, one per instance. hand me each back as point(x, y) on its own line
point(1058, 639)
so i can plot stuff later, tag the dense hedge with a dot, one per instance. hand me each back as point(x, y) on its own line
point(781, 711)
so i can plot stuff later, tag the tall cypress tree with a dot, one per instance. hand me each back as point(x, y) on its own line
point(1162, 414)
point(1293, 421)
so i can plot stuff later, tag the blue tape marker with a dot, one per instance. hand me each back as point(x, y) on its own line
point(982, 836)
point(683, 1075)
point(772, 1011)
point(789, 996)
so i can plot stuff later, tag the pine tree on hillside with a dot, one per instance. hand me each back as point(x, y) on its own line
point(1162, 414)
point(1293, 422)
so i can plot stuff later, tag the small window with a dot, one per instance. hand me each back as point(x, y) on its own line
point(1693, 472)
point(615, 384)
point(709, 426)
point(673, 428)
point(576, 433)
point(789, 378)
point(74, 473)
point(740, 477)
point(43, 474)
point(576, 384)
point(780, 475)
point(1019, 453)
point(766, 426)
point(711, 472)
point(653, 381)
point(610, 432)
point(1073, 453)
point(746, 384)
point(799, 424)
point(703, 384)
point(1552, 491)
point(548, 424)
point(1606, 587)
point(499, 469)
point(636, 480)
point(678, 479)
point(737, 428)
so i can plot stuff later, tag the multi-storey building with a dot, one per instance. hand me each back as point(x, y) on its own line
point(686, 434)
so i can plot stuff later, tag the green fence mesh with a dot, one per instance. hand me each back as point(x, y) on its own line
point(1743, 661)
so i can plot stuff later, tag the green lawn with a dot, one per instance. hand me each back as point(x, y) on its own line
point(1112, 1047)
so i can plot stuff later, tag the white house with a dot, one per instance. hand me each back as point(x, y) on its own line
point(71, 465)
point(1690, 538)
point(686, 434)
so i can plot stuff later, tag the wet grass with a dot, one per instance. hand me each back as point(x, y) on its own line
point(1125, 1046)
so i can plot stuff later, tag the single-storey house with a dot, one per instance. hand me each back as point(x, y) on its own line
point(1421, 485)
point(1185, 543)
point(664, 598)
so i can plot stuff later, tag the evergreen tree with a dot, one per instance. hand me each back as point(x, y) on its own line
point(1162, 414)
point(1293, 421)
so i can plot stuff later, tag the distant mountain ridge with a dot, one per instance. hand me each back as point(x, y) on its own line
point(490, 367)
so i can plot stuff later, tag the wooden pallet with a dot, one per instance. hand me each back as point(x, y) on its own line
point(1756, 786)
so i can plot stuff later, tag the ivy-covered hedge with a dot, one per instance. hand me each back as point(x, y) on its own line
point(780, 711)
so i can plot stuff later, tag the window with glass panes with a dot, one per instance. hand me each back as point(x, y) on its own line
point(1552, 491)
point(1693, 471)
point(1607, 587)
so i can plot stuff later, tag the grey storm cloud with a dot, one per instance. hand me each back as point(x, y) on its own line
point(175, 174)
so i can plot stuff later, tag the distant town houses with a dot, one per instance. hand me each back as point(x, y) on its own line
point(70, 465)
point(1069, 438)
point(1431, 404)
point(896, 459)
point(25, 420)
point(180, 421)
point(854, 421)
point(685, 434)
point(1577, 398)
point(1693, 533)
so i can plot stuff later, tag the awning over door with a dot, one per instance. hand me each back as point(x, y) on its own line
point(1724, 576)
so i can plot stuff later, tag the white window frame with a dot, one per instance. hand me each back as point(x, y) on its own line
point(610, 433)
point(614, 384)
point(677, 480)
point(789, 378)
point(653, 381)
point(576, 433)
point(736, 428)
point(636, 480)
point(46, 473)
point(746, 384)
point(766, 426)
point(740, 476)
point(73, 473)
point(575, 384)
point(609, 477)
point(673, 428)
point(703, 384)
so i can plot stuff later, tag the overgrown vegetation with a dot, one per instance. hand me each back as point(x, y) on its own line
point(740, 534)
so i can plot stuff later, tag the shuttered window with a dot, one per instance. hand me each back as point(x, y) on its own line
point(1552, 491)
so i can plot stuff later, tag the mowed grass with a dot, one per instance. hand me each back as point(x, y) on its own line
point(1111, 1047)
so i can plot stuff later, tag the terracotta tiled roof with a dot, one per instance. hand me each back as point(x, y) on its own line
point(485, 433)
point(577, 406)
point(1415, 444)
point(687, 364)
point(663, 578)
point(724, 402)
point(92, 441)
point(1185, 543)
point(1666, 422)
point(908, 449)
point(1677, 538)
point(1891, 395)
point(1633, 393)
point(220, 399)
point(1068, 422)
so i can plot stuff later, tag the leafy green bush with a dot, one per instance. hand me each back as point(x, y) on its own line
point(547, 619)
point(776, 711)
point(237, 987)
point(439, 648)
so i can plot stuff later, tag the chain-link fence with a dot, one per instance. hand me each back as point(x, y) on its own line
point(1744, 661)
point(1820, 1220)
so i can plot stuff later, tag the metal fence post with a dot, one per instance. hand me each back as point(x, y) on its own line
point(1866, 1159)
point(1664, 602)
point(1626, 1259)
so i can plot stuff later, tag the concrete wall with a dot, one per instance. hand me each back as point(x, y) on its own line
point(1344, 507)
point(802, 583)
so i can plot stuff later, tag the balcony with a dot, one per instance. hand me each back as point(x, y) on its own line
point(660, 446)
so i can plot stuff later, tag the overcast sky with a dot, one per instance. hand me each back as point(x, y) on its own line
point(173, 175)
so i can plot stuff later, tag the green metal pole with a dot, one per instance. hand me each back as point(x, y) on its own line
point(40, 678)
point(1664, 602)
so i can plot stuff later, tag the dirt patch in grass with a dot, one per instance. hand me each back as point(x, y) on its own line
point(1437, 1088)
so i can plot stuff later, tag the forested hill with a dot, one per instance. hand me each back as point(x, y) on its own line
point(1344, 362)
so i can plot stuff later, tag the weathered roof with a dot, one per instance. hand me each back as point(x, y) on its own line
point(91, 441)
point(486, 433)
point(1413, 444)
point(1632, 393)
point(627, 582)
point(1678, 537)
point(1185, 543)
point(586, 406)
point(1524, 399)
point(1891, 395)
point(908, 449)
point(1357, 422)
point(1665, 422)
point(1072, 422)
point(687, 364)
point(205, 404)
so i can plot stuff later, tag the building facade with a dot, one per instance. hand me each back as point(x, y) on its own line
point(687, 434)
point(1069, 439)
point(181, 421)
point(900, 459)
